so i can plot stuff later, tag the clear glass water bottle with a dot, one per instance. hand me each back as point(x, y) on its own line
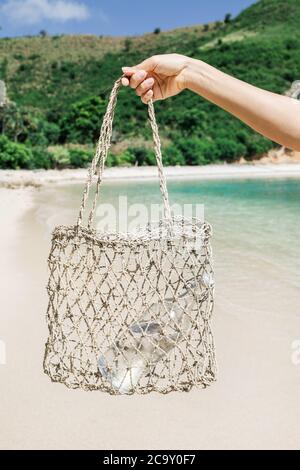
point(150, 339)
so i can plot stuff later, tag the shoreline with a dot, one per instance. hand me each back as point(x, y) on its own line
point(36, 178)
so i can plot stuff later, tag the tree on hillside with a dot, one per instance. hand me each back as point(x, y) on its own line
point(11, 118)
point(2, 93)
point(127, 44)
point(157, 31)
point(11, 121)
point(80, 123)
point(227, 18)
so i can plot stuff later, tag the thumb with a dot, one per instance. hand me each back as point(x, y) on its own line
point(146, 65)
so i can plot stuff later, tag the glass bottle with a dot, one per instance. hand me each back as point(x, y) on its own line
point(147, 341)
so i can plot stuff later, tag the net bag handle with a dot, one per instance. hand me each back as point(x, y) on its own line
point(103, 145)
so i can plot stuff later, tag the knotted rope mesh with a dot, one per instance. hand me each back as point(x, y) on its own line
point(130, 312)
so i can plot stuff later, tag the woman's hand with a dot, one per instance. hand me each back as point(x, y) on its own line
point(158, 77)
point(274, 116)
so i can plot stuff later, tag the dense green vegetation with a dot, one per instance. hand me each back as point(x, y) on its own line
point(58, 87)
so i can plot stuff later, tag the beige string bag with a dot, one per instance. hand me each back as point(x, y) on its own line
point(130, 312)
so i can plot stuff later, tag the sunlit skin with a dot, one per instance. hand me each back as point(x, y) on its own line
point(159, 77)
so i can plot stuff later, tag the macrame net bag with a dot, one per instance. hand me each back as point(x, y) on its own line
point(130, 312)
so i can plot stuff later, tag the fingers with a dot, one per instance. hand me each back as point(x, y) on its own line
point(147, 96)
point(125, 81)
point(136, 78)
point(128, 73)
point(131, 73)
point(133, 77)
point(145, 86)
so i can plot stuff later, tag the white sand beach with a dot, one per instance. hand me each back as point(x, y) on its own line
point(16, 178)
point(253, 405)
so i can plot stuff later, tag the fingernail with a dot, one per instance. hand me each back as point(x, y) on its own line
point(141, 74)
point(149, 82)
point(125, 69)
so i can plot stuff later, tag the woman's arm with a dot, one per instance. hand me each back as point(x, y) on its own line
point(274, 116)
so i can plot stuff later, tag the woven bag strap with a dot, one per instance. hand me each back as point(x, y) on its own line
point(98, 162)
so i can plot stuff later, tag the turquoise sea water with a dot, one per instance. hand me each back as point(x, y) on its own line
point(252, 217)
point(256, 227)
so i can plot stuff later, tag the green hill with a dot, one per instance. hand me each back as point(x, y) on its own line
point(59, 86)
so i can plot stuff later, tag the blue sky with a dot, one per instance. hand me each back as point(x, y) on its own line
point(109, 17)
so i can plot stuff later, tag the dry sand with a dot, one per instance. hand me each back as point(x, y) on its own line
point(255, 403)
